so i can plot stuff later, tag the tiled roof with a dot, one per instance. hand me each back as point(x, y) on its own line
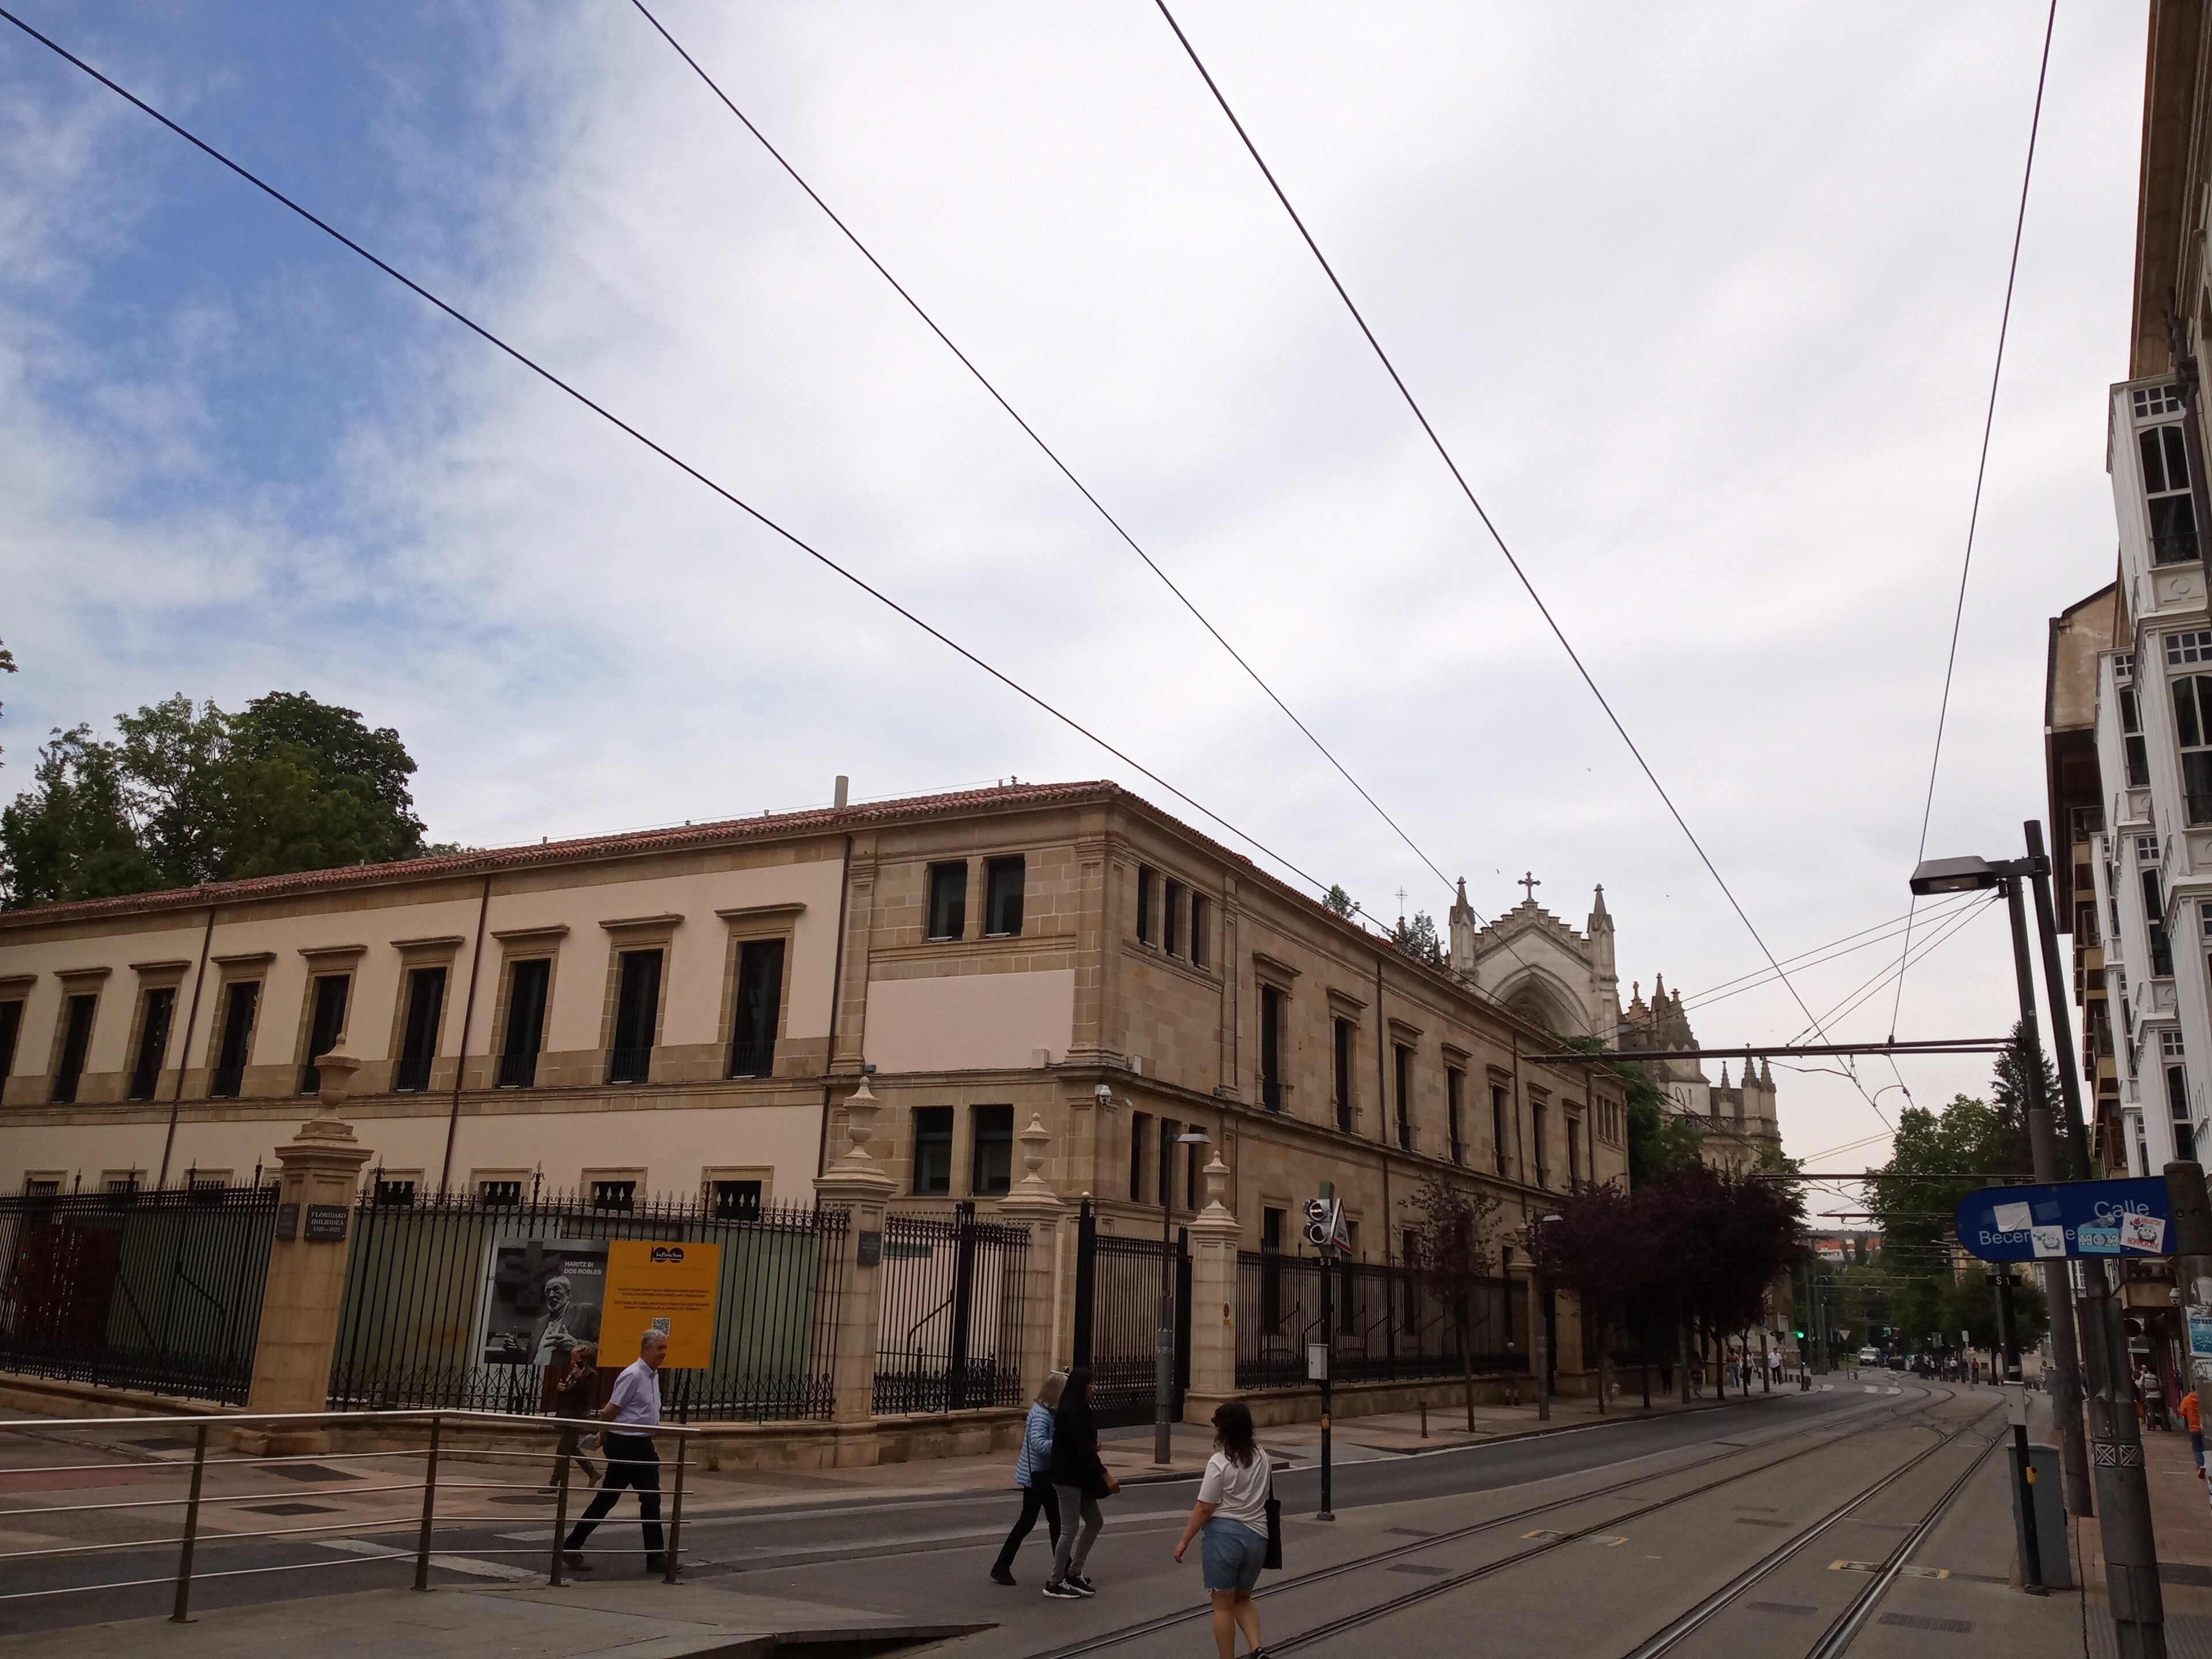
point(823, 820)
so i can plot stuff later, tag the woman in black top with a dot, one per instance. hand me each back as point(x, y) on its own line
point(1081, 1480)
point(576, 1397)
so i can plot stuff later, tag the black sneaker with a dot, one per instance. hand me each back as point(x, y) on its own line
point(1060, 1591)
point(1081, 1585)
point(1000, 1576)
point(656, 1563)
point(573, 1561)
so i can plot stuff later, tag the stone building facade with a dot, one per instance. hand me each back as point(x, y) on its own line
point(684, 1010)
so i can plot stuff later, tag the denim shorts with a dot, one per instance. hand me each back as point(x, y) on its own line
point(1231, 1553)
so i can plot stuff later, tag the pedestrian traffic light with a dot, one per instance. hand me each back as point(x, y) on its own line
point(1800, 1332)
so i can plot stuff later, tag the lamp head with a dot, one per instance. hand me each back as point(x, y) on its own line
point(1963, 875)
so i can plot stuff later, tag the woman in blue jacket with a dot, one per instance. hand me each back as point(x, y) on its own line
point(1033, 1474)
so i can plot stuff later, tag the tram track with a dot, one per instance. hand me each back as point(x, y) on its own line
point(1383, 1558)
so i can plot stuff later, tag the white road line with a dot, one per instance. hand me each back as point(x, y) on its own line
point(461, 1564)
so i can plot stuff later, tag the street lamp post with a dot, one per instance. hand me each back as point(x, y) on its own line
point(1163, 1351)
point(1543, 1320)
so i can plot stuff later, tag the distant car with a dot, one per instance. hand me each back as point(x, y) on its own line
point(1869, 1356)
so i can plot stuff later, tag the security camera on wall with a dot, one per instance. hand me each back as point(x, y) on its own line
point(1104, 1095)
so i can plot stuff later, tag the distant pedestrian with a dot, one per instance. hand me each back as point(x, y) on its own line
point(2193, 1420)
point(1082, 1480)
point(2154, 1398)
point(1231, 1512)
point(631, 1461)
point(1033, 1474)
point(575, 1397)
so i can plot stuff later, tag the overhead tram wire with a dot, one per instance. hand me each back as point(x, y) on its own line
point(1033, 437)
point(1981, 473)
point(1819, 956)
point(667, 454)
point(1955, 923)
point(1459, 478)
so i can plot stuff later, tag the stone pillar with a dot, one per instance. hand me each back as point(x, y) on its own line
point(301, 1300)
point(1213, 1233)
point(1032, 1203)
point(859, 1185)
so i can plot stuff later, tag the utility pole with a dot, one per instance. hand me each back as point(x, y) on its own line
point(2066, 1402)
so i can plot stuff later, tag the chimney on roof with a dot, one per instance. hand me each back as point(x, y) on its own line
point(844, 788)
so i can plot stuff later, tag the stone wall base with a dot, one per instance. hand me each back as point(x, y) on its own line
point(1444, 1394)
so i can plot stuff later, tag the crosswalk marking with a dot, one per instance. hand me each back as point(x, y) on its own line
point(461, 1564)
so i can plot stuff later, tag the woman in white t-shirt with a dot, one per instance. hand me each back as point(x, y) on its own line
point(1232, 1512)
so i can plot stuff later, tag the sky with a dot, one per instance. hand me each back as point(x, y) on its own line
point(1703, 299)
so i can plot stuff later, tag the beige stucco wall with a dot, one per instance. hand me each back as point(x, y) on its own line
point(976, 1022)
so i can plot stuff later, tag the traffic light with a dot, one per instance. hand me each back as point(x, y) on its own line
point(1800, 1333)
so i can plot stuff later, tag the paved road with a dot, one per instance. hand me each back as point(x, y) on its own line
point(924, 1560)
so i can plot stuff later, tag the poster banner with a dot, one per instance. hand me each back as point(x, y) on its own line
point(546, 1297)
point(671, 1288)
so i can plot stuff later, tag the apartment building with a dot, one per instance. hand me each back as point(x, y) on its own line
point(684, 1010)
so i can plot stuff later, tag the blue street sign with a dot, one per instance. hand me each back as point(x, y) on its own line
point(2071, 1218)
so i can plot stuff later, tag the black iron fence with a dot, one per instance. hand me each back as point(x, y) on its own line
point(472, 1303)
point(1119, 1280)
point(949, 1336)
point(131, 1289)
point(1386, 1322)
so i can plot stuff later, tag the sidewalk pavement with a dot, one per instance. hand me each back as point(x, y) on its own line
point(2182, 1523)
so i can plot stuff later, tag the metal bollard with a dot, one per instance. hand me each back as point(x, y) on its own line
point(430, 1508)
point(1425, 1418)
point(676, 1513)
point(182, 1613)
point(561, 1520)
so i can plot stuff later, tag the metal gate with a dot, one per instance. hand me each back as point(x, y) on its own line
point(1117, 1291)
point(949, 1332)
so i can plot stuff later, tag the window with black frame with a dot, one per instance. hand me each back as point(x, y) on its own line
point(1004, 880)
point(758, 1005)
point(528, 981)
point(1455, 1081)
point(991, 1161)
point(1271, 1048)
point(155, 1009)
point(2192, 725)
point(240, 1004)
point(637, 1017)
point(737, 1201)
point(418, 1038)
point(77, 1043)
point(325, 1026)
point(948, 900)
point(2173, 511)
point(1341, 1047)
point(932, 1150)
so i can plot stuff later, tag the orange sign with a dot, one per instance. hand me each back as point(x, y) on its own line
point(670, 1287)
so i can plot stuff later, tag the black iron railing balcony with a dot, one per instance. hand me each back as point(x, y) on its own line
point(412, 1075)
point(628, 1065)
point(752, 1059)
point(518, 1071)
point(228, 1083)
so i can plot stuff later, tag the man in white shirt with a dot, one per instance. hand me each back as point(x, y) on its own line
point(631, 1460)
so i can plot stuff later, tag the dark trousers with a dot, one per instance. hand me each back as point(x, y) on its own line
point(576, 1460)
point(632, 1463)
point(1034, 1496)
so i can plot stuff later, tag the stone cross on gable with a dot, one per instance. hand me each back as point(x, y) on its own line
point(1528, 885)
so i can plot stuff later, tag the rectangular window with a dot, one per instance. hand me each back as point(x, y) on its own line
point(2161, 950)
point(1271, 1048)
point(11, 1029)
point(1201, 917)
point(759, 1004)
point(160, 1003)
point(2183, 649)
point(2131, 740)
point(1402, 1066)
point(395, 1191)
point(527, 983)
point(618, 1196)
point(1498, 1125)
point(238, 1010)
point(2157, 400)
point(1536, 1141)
point(500, 1193)
point(2165, 487)
point(932, 1150)
point(1141, 1130)
point(1455, 1081)
point(2177, 1093)
point(1171, 917)
point(2124, 666)
point(637, 1017)
point(325, 1026)
point(991, 1165)
point(948, 900)
point(737, 1201)
point(76, 1042)
point(1574, 1153)
point(1005, 880)
point(418, 1039)
point(2169, 1044)
point(2192, 725)
point(1144, 905)
point(1343, 1031)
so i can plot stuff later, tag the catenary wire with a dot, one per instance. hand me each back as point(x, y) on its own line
point(612, 419)
point(1953, 925)
point(1458, 477)
point(1033, 437)
point(1819, 956)
point(1974, 514)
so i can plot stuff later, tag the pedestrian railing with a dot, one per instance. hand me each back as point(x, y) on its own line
point(447, 1451)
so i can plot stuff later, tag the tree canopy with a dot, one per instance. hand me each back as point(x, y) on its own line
point(1658, 1138)
point(187, 794)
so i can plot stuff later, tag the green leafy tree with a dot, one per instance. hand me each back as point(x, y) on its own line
point(1418, 938)
point(188, 795)
point(1658, 1140)
point(7, 660)
point(1457, 1248)
point(1338, 899)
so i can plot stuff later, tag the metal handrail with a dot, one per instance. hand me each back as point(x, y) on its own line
point(439, 1422)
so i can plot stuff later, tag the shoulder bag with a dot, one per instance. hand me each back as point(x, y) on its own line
point(1274, 1555)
